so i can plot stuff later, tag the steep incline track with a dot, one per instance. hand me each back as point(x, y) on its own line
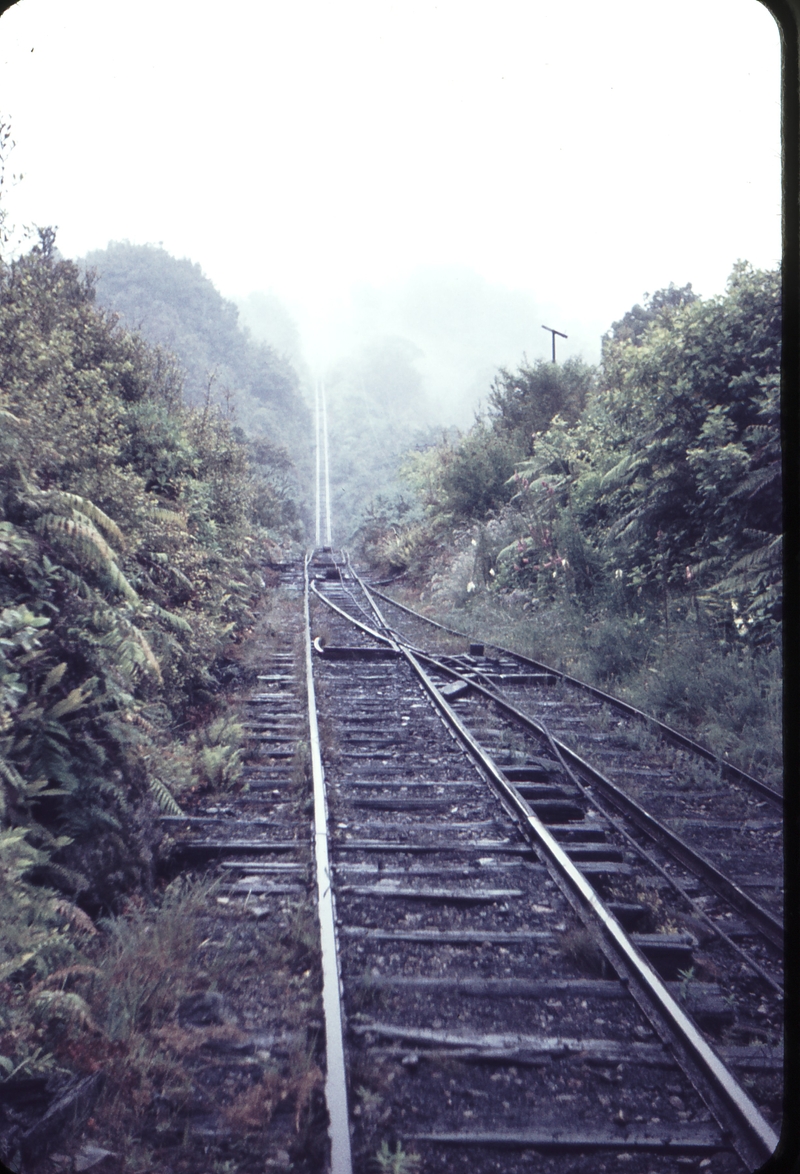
point(517, 957)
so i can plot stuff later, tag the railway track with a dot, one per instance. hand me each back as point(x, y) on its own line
point(715, 818)
point(260, 1098)
point(528, 969)
point(522, 967)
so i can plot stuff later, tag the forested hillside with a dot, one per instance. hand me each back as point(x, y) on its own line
point(172, 304)
point(626, 521)
point(376, 413)
point(133, 531)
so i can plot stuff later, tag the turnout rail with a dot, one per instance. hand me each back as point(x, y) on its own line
point(522, 964)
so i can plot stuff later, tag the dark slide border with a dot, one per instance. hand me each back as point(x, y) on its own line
point(787, 17)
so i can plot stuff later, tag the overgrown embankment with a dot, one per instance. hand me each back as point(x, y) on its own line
point(625, 522)
point(131, 558)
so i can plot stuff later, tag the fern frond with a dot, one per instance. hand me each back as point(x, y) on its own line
point(113, 791)
point(758, 479)
point(164, 797)
point(67, 879)
point(627, 522)
point(7, 969)
point(74, 700)
point(11, 775)
point(159, 514)
point(65, 1005)
point(757, 572)
point(623, 472)
point(53, 678)
point(78, 584)
point(73, 501)
point(129, 643)
point(82, 537)
point(708, 564)
point(176, 623)
point(765, 557)
point(149, 656)
point(76, 917)
point(179, 577)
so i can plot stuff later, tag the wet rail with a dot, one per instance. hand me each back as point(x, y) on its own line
point(524, 969)
point(505, 667)
point(707, 809)
point(259, 1091)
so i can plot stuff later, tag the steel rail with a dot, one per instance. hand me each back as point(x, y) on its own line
point(669, 840)
point(758, 1140)
point(669, 732)
point(765, 921)
point(769, 925)
point(335, 1068)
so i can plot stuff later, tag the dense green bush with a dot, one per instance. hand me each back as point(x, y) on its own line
point(128, 528)
point(639, 534)
point(131, 530)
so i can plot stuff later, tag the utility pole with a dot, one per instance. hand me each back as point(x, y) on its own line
point(554, 333)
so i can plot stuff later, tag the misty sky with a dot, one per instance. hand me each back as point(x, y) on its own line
point(440, 170)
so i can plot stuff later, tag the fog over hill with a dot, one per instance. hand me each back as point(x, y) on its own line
point(460, 326)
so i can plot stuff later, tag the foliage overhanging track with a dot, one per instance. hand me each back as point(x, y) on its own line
point(382, 775)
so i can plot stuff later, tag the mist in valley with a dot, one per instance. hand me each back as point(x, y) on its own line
point(405, 362)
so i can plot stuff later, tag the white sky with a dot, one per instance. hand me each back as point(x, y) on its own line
point(582, 153)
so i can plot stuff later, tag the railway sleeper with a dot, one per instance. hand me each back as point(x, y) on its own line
point(495, 1046)
point(555, 810)
point(437, 896)
point(592, 852)
point(675, 1139)
point(669, 953)
point(530, 773)
point(542, 792)
point(588, 831)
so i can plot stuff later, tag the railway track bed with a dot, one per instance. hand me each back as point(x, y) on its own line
point(256, 1015)
point(517, 972)
point(483, 1005)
